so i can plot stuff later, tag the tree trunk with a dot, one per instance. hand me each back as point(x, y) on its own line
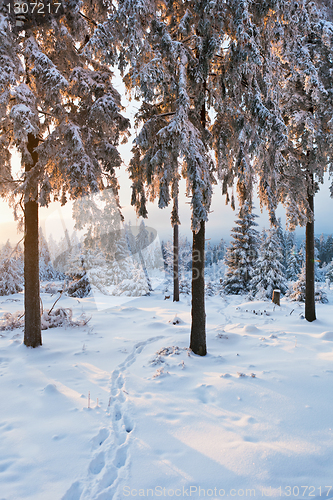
point(310, 308)
point(276, 297)
point(198, 326)
point(32, 323)
point(176, 263)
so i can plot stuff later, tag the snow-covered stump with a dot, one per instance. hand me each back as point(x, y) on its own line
point(276, 297)
point(328, 283)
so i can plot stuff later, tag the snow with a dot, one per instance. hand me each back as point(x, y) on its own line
point(255, 413)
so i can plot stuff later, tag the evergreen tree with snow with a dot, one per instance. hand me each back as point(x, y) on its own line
point(329, 271)
point(282, 240)
point(46, 269)
point(268, 274)
point(293, 268)
point(184, 262)
point(142, 242)
point(59, 109)
point(243, 252)
point(290, 241)
point(306, 105)
point(11, 270)
point(298, 290)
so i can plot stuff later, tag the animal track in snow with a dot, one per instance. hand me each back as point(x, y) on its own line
point(111, 445)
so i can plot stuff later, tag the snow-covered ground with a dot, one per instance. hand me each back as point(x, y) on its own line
point(253, 418)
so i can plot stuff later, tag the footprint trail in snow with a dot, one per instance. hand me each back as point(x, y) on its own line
point(111, 457)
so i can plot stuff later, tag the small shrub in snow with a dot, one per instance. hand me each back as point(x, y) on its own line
point(53, 288)
point(185, 286)
point(134, 285)
point(297, 291)
point(80, 287)
point(61, 317)
point(214, 287)
point(162, 353)
point(320, 296)
point(11, 321)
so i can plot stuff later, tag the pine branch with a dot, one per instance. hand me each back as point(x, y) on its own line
point(171, 113)
point(88, 19)
point(45, 113)
point(12, 181)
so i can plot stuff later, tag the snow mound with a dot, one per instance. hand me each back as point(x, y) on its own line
point(51, 389)
point(327, 336)
point(250, 329)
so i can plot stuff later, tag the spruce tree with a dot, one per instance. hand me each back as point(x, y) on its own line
point(329, 272)
point(11, 271)
point(59, 109)
point(293, 268)
point(268, 274)
point(142, 242)
point(304, 97)
point(242, 254)
point(298, 291)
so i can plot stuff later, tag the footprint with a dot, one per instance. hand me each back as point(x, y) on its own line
point(74, 492)
point(117, 413)
point(59, 437)
point(128, 423)
point(121, 397)
point(206, 393)
point(120, 457)
point(100, 438)
point(97, 464)
point(109, 477)
point(120, 381)
point(139, 348)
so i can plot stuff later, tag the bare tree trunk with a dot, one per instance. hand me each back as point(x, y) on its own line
point(198, 326)
point(310, 308)
point(176, 263)
point(32, 323)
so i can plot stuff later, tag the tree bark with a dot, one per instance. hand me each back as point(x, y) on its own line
point(32, 323)
point(310, 308)
point(276, 297)
point(176, 263)
point(198, 326)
